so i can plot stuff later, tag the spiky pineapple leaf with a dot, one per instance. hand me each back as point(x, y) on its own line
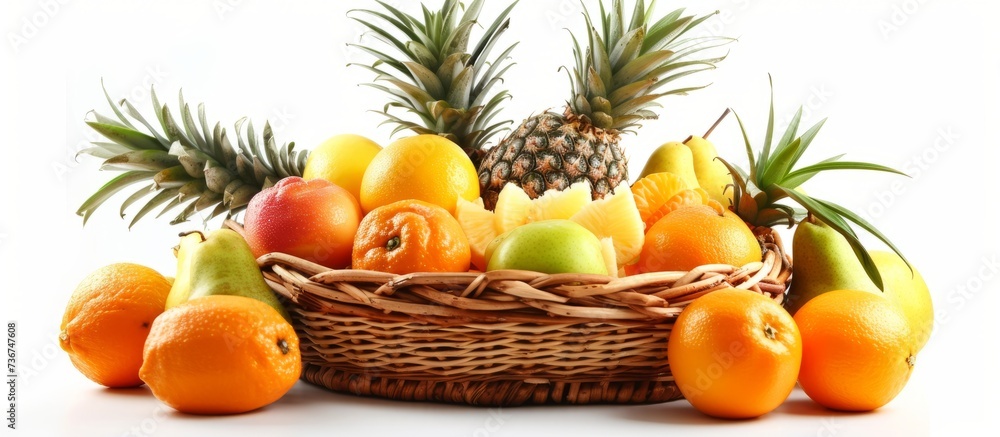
point(174, 158)
point(773, 177)
point(439, 85)
point(109, 189)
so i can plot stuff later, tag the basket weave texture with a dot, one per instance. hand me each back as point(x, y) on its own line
point(500, 338)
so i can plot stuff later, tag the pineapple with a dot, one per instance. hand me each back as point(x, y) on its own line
point(513, 208)
point(429, 72)
point(615, 217)
point(620, 72)
point(773, 178)
point(479, 227)
point(185, 164)
point(555, 205)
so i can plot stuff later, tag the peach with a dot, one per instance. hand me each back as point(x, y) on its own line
point(314, 220)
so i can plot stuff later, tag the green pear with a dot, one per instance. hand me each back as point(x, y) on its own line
point(712, 174)
point(549, 246)
point(673, 157)
point(219, 263)
point(822, 261)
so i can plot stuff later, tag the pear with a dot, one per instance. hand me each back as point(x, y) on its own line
point(219, 263)
point(822, 261)
point(713, 175)
point(673, 157)
point(825, 262)
point(906, 290)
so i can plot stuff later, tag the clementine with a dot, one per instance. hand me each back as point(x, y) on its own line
point(695, 235)
point(423, 167)
point(411, 236)
point(653, 191)
point(857, 354)
point(220, 354)
point(734, 354)
point(107, 320)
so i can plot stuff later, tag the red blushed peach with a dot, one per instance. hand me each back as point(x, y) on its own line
point(313, 220)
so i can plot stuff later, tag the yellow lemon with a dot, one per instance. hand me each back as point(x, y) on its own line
point(342, 159)
point(422, 167)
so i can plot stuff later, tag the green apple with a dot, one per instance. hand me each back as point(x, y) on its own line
point(549, 246)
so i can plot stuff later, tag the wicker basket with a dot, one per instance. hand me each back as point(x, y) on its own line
point(500, 338)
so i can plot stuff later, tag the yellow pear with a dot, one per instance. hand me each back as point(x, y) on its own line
point(673, 157)
point(713, 176)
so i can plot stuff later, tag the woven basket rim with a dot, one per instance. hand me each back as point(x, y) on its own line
point(517, 295)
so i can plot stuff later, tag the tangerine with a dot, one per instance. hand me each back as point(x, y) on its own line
point(654, 190)
point(221, 354)
point(107, 320)
point(425, 167)
point(411, 236)
point(696, 196)
point(735, 354)
point(695, 235)
point(857, 354)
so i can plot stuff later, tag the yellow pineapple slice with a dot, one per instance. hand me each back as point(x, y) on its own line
point(652, 191)
point(610, 258)
point(560, 204)
point(695, 196)
point(512, 208)
point(616, 217)
point(479, 227)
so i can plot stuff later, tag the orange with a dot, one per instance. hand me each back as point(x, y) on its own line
point(856, 350)
point(107, 320)
point(654, 190)
point(411, 236)
point(734, 354)
point(696, 196)
point(695, 235)
point(423, 167)
point(220, 354)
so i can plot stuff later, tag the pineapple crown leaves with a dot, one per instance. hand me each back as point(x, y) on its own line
point(623, 67)
point(773, 178)
point(187, 163)
point(448, 89)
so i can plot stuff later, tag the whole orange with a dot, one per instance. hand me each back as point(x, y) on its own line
point(314, 220)
point(695, 235)
point(221, 354)
point(857, 354)
point(107, 320)
point(734, 354)
point(411, 236)
point(423, 167)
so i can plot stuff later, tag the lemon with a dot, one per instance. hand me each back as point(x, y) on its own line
point(342, 159)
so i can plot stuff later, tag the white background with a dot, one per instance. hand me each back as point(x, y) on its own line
point(905, 83)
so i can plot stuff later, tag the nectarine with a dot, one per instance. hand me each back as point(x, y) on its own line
point(314, 220)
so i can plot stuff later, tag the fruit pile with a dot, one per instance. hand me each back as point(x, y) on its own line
point(553, 196)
